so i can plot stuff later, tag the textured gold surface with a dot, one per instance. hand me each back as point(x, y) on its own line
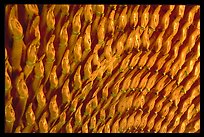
point(102, 68)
